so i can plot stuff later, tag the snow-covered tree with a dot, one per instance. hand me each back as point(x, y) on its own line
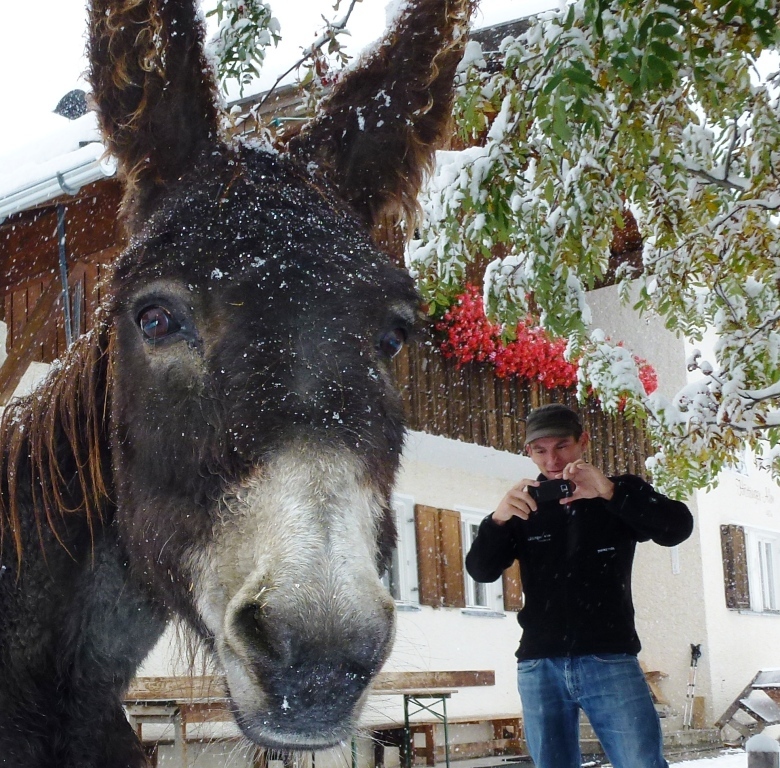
point(653, 107)
point(246, 28)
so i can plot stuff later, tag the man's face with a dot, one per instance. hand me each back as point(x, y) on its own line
point(552, 454)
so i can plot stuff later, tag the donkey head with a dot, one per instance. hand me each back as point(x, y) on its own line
point(255, 430)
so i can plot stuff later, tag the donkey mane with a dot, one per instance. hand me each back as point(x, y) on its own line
point(55, 444)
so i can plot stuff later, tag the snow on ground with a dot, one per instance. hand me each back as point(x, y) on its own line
point(728, 758)
point(732, 758)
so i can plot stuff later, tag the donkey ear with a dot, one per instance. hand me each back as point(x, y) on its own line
point(154, 89)
point(377, 131)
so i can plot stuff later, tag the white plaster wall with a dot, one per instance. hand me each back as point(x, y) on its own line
point(448, 473)
point(670, 613)
point(645, 335)
point(734, 644)
point(739, 642)
point(34, 374)
point(669, 607)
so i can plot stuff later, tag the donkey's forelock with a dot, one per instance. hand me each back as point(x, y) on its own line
point(236, 208)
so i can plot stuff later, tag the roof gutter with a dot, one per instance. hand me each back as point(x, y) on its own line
point(88, 164)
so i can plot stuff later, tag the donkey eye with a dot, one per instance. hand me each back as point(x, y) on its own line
point(391, 342)
point(157, 323)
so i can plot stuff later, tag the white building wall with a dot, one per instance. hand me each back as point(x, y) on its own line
point(34, 375)
point(667, 585)
point(739, 643)
point(735, 644)
point(670, 616)
point(645, 335)
point(450, 474)
point(670, 612)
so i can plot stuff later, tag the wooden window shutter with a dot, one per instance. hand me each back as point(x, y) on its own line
point(513, 588)
point(439, 557)
point(735, 574)
point(453, 585)
point(426, 524)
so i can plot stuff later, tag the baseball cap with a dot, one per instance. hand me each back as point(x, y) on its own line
point(552, 420)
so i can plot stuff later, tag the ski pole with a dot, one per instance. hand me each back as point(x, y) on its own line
point(691, 691)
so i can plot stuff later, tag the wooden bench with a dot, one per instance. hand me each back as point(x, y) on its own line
point(186, 701)
point(393, 682)
point(178, 702)
point(507, 734)
point(506, 730)
point(425, 693)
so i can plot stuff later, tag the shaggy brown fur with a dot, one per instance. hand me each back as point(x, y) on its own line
point(223, 447)
point(56, 440)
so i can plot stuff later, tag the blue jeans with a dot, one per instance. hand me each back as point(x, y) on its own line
point(611, 689)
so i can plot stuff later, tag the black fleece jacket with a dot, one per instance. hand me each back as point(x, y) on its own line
point(575, 564)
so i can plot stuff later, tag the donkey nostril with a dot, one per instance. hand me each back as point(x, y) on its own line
point(263, 636)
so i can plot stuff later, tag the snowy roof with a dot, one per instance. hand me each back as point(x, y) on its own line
point(490, 37)
point(62, 162)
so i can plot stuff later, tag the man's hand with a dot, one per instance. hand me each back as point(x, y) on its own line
point(517, 503)
point(591, 482)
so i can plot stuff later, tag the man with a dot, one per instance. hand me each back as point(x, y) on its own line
point(579, 645)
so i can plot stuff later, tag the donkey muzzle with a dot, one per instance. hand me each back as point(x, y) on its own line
point(298, 674)
point(301, 620)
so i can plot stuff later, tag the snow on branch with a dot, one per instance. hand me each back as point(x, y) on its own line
point(603, 108)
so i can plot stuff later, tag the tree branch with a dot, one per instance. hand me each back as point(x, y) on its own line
point(730, 151)
point(330, 33)
point(718, 182)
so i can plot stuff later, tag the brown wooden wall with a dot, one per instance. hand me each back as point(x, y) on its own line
point(472, 404)
point(31, 301)
point(29, 244)
point(84, 280)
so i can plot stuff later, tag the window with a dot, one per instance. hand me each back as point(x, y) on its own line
point(401, 577)
point(735, 574)
point(487, 597)
point(763, 569)
point(444, 537)
point(751, 568)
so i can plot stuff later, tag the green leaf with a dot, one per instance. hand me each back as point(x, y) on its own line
point(665, 30)
point(554, 81)
point(560, 121)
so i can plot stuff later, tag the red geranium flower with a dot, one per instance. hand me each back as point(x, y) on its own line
point(469, 336)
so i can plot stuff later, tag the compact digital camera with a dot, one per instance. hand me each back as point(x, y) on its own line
point(551, 490)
